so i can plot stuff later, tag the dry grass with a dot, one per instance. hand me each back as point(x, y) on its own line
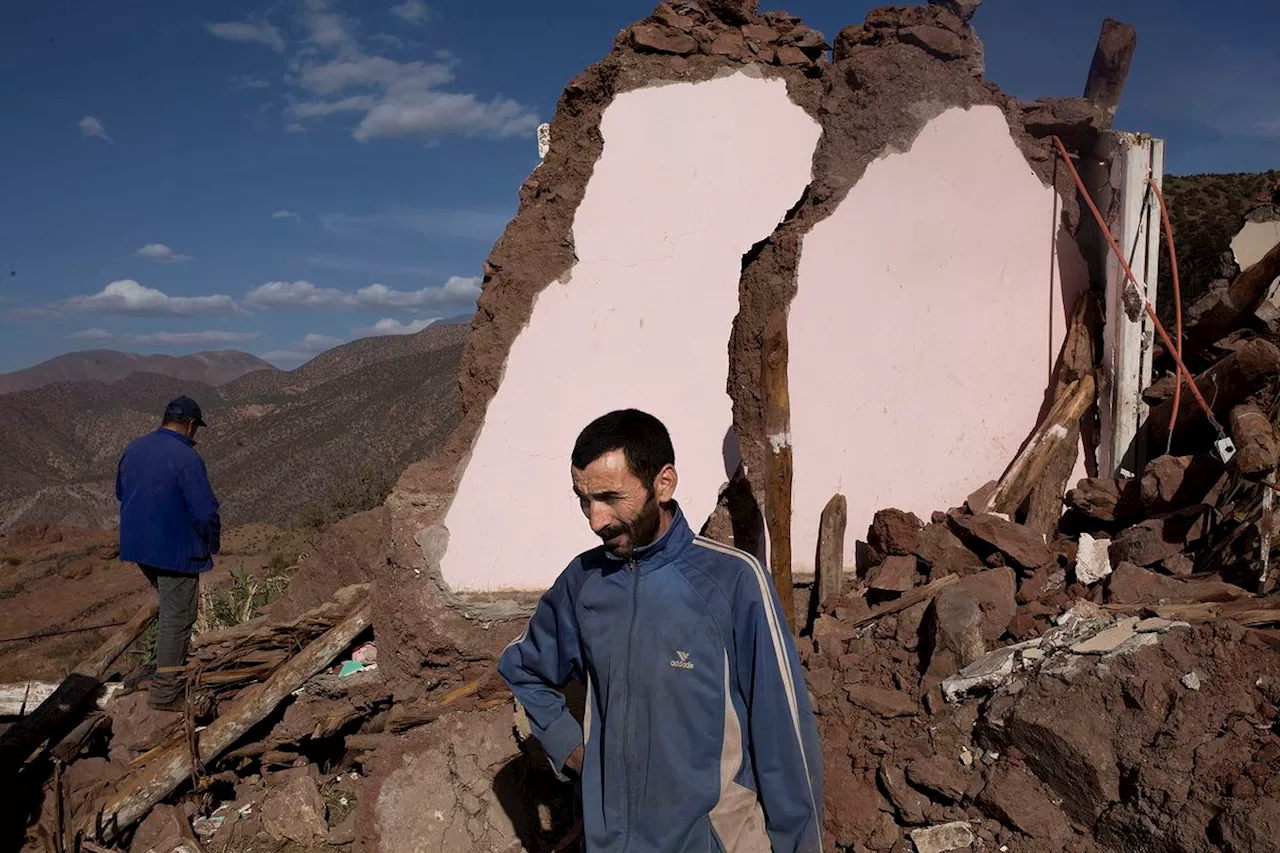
point(229, 605)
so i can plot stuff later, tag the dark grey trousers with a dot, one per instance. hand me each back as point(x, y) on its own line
point(179, 594)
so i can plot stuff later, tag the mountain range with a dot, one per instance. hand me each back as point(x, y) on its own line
point(286, 447)
point(104, 365)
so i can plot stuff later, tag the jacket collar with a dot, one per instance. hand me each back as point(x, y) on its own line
point(666, 546)
point(165, 431)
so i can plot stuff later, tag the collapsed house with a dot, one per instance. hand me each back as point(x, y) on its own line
point(848, 277)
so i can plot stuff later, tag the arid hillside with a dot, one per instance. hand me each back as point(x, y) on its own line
point(303, 446)
point(210, 368)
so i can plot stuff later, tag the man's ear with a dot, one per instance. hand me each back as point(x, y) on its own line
point(664, 485)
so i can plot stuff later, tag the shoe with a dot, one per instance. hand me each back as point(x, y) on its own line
point(178, 704)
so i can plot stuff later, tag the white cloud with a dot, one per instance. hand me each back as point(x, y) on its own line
point(159, 253)
point(248, 81)
point(300, 351)
point(482, 225)
point(398, 99)
point(259, 32)
point(129, 299)
point(190, 339)
point(455, 292)
point(286, 214)
point(295, 128)
point(412, 11)
point(392, 326)
point(99, 335)
point(90, 126)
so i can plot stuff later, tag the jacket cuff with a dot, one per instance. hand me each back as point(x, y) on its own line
point(560, 739)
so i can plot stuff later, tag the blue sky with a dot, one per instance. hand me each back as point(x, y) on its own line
point(279, 177)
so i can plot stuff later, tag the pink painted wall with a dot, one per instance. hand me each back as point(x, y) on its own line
point(925, 327)
point(692, 175)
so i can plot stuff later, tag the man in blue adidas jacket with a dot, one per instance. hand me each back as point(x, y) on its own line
point(698, 731)
point(170, 527)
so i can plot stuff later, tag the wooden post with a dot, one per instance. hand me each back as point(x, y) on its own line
point(830, 562)
point(1241, 298)
point(1111, 60)
point(1044, 507)
point(58, 714)
point(167, 770)
point(1050, 437)
point(778, 462)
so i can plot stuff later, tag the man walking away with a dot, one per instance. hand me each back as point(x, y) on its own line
point(698, 734)
point(169, 526)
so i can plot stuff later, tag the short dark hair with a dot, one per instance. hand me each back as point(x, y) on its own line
point(642, 438)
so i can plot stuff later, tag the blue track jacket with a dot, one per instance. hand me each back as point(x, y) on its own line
point(699, 734)
point(168, 512)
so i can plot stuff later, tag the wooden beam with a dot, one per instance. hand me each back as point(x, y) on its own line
point(137, 795)
point(778, 462)
point(915, 596)
point(58, 714)
point(1078, 358)
point(830, 562)
point(1230, 381)
point(1228, 310)
point(1110, 67)
point(1053, 436)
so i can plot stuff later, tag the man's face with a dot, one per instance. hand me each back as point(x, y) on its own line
point(621, 509)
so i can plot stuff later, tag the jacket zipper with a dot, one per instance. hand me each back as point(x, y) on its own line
point(626, 712)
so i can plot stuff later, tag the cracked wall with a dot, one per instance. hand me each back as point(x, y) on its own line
point(690, 177)
point(694, 177)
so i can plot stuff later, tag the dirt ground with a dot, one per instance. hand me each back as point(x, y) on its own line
point(59, 581)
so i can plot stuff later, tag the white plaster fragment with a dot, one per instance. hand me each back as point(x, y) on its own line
point(1093, 562)
point(1191, 680)
point(939, 839)
point(779, 441)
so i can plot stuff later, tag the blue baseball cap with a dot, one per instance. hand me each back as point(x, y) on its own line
point(184, 408)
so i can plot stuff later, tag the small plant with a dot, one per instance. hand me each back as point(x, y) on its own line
point(227, 606)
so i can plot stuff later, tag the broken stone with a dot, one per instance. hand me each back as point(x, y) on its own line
point(883, 703)
point(1107, 499)
point(1257, 446)
point(895, 574)
point(1076, 121)
point(994, 591)
point(964, 9)
point(954, 627)
point(1131, 584)
point(295, 812)
point(1014, 799)
point(1046, 580)
point(910, 804)
point(729, 43)
point(944, 553)
point(821, 681)
point(733, 12)
point(1191, 681)
point(1250, 826)
point(940, 42)
point(657, 40)
point(956, 835)
point(791, 55)
point(1156, 539)
point(977, 502)
point(1174, 482)
point(1021, 545)
point(1092, 560)
point(894, 532)
point(1108, 639)
point(939, 777)
point(1179, 565)
point(811, 41)
point(830, 635)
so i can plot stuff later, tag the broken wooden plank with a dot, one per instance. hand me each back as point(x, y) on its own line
point(23, 698)
point(909, 599)
point(71, 745)
point(1228, 383)
point(97, 663)
point(1044, 506)
point(830, 557)
point(778, 468)
point(1255, 440)
point(1221, 312)
point(264, 626)
point(136, 796)
point(1053, 436)
point(1110, 67)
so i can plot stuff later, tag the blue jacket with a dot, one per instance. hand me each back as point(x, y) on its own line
point(699, 734)
point(168, 512)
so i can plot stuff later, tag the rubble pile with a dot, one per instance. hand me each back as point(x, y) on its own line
point(1109, 684)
